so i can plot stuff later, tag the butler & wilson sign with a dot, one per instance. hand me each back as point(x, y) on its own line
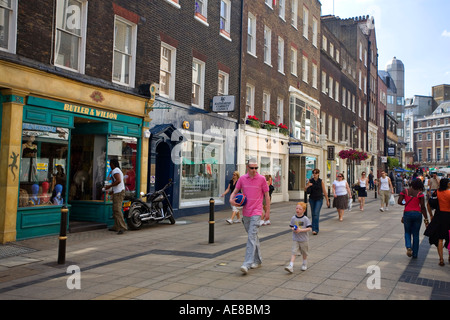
point(223, 104)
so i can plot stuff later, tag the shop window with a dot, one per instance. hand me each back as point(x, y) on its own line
point(43, 165)
point(201, 170)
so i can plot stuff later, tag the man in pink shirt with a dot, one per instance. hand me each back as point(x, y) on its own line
point(255, 188)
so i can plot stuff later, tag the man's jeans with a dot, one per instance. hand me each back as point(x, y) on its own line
point(253, 252)
point(412, 220)
point(316, 206)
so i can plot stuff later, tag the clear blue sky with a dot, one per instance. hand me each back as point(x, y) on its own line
point(415, 31)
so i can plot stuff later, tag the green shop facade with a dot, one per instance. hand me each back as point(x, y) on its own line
point(56, 152)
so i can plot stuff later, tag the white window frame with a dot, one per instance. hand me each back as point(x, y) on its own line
point(315, 31)
point(249, 100)
point(202, 15)
point(294, 13)
point(12, 27)
point(268, 3)
point(131, 54)
point(173, 53)
point(305, 22)
point(225, 27)
point(280, 110)
point(293, 65)
point(305, 69)
point(314, 75)
point(201, 98)
point(82, 40)
point(174, 3)
point(267, 45)
point(281, 55)
point(226, 78)
point(266, 106)
point(282, 9)
point(251, 34)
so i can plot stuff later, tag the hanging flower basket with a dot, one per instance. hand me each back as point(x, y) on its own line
point(352, 154)
point(269, 125)
point(283, 129)
point(253, 121)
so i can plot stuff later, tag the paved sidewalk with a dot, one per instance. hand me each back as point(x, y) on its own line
point(177, 262)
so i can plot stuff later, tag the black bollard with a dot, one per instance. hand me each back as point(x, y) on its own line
point(329, 196)
point(306, 201)
point(63, 236)
point(211, 220)
point(375, 191)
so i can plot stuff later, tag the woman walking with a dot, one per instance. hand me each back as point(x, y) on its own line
point(438, 230)
point(231, 186)
point(362, 191)
point(384, 185)
point(318, 190)
point(414, 201)
point(341, 194)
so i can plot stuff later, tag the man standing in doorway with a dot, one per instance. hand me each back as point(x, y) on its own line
point(255, 188)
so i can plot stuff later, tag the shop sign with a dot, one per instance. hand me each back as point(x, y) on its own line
point(90, 111)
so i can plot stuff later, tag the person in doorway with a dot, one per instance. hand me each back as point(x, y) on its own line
point(300, 226)
point(384, 186)
point(318, 191)
point(439, 228)
point(362, 191)
point(118, 189)
point(414, 202)
point(230, 188)
point(371, 184)
point(255, 188)
point(341, 194)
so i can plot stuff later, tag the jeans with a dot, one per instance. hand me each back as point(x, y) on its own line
point(412, 221)
point(253, 251)
point(316, 206)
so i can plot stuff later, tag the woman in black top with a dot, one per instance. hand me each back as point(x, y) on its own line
point(316, 194)
point(231, 186)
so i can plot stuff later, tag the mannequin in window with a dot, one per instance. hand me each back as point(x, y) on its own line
point(45, 198)
point(29, 151)
point(57, 195)
point(34, 199)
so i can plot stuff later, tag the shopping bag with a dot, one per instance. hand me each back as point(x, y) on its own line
point(392, 200)
point(350, 204)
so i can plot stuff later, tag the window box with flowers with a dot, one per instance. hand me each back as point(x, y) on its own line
point(283, 129)
point(253, 121)
point(269, 125)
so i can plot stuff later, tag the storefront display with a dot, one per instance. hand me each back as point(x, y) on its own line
point(44, 158)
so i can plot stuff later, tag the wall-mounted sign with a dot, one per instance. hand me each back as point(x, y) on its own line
point(223, 104)
point(295, 148)
point(330, 153)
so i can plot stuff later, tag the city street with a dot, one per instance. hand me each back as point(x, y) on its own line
point(360, 258)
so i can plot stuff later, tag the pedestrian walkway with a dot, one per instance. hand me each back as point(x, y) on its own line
point(360, 258)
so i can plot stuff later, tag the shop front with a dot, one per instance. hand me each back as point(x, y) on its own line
point(56, 152)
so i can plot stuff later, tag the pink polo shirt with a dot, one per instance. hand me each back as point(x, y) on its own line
point(254, 189)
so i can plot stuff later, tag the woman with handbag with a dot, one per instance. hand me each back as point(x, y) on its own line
point(362, 190)
point(414, 202)
point(438, 229)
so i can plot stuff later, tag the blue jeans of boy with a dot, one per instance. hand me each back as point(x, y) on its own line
point(412, 220)
point(316, 206)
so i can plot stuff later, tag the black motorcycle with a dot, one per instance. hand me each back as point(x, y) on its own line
point(157, 208)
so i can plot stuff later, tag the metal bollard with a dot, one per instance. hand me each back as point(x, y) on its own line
point(306, 201)
point(329, 196)
point(375, 191)
point(211, 220)
point(63, 236)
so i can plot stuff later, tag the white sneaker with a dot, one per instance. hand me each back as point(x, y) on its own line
point(261, 223)
point(381, 209)
point(267, 222)
point(289, 269)
point(304, 267)
point(237, 221)
point(229, 221)
point(386, 209)
point(255, 265)
point(244, 269)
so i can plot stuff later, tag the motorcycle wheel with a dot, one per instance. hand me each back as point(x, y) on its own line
point(134, 221)
point(171, 218)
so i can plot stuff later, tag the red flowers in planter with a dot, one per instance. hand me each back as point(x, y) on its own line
point(353, 155)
